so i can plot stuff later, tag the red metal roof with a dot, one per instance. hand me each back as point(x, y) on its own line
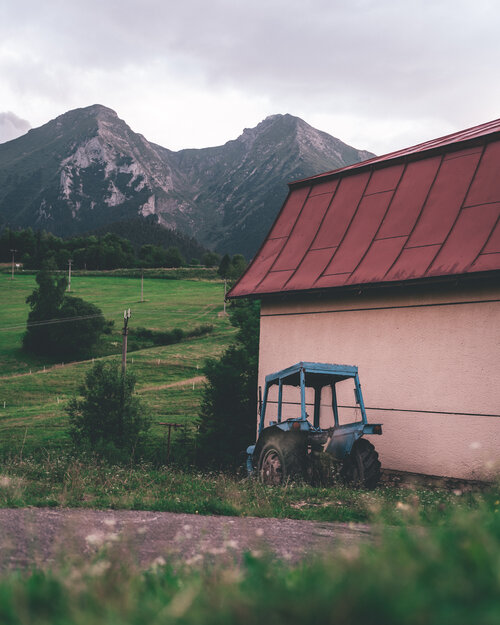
point(429, 211)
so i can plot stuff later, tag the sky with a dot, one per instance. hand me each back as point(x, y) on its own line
point(380, 75)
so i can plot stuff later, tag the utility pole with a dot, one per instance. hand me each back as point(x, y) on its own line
point(225, 291)
point(13, 265)
point(126, 317)
point(142, 286)
point(69, 274)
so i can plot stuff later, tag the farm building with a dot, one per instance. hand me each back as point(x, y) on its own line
point(393, 265)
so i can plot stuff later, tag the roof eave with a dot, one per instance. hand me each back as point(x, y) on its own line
point(480, 276)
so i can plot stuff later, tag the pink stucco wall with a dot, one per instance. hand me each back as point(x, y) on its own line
point(429, 363)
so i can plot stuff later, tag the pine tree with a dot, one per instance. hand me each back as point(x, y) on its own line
point(229, 406)
point(108, 419)
point(225, 265)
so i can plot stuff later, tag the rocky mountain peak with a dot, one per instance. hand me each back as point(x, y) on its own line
point(87, 168)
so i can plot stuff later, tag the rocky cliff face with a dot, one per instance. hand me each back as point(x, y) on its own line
point(87, 168)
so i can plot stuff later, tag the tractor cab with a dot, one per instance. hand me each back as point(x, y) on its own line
point(316, 407)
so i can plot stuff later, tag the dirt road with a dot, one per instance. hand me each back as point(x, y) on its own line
point(48, 537)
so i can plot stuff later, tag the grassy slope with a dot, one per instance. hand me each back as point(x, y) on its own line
point(34, 415)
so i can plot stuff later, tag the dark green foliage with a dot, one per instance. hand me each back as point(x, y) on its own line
point(232, 268)
point(229, 405)
point(154, 256)
point(146, 230)
point(102, 250)
point(173, 258)
point(90, 252)
point(237, 267)
point(210, 259)
point(59, 325)
point(224, 266)
point(148, 337)
point(108, 419)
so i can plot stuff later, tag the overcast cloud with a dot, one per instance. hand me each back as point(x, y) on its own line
point(11, 126)
point(379, 75)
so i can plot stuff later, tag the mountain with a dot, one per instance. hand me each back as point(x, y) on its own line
point(87, 169)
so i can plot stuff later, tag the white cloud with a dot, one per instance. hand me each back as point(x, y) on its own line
point(385, 72)
point(12, 126)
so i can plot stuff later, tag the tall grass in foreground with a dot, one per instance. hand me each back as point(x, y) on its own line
point(438, 575)
point(53, 480)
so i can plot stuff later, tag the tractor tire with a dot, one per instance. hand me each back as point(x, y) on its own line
point(280, 462)
point(361, 468)
point(322, 469)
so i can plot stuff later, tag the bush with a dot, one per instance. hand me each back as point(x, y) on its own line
point(167, 337)
point(108, 420)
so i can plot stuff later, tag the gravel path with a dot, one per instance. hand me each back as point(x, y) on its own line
point(48, 537)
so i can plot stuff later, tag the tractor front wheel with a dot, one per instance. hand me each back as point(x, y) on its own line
point(361, 467)
point(279, 462)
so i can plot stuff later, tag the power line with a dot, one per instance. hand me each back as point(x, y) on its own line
point(50, 322)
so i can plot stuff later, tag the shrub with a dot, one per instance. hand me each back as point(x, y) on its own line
point(108, 420)
point(169, 337)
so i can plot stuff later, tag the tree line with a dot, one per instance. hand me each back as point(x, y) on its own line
point(33, 249)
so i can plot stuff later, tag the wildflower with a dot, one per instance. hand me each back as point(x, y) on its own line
point(181, 603)
point(96, 539)
point(402, 506)
point(99, 568)
point(100, 538)
point(157, 563)
point(109, 522)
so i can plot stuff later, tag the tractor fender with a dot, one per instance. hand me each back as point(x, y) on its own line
point(275, 433)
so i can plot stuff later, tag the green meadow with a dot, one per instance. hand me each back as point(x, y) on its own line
point(34, 391)
point(37, 463)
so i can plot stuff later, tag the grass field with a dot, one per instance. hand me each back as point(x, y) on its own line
point(34, 391)
point(37, 467)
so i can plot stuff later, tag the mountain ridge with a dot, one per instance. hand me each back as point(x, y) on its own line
point(87, 168)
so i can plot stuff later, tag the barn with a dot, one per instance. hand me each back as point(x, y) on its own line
point(393, 265)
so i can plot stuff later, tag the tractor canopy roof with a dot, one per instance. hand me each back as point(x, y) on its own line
point(317, 374)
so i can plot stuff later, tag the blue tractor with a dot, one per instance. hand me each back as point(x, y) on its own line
point(292, 447)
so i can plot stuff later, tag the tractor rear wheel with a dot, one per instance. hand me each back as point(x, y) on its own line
point(361, 467)
point(279, 462)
